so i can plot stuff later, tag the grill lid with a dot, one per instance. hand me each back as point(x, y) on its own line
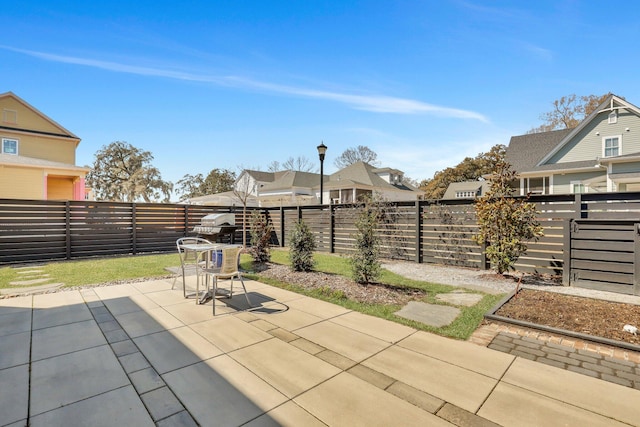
point(218, 219)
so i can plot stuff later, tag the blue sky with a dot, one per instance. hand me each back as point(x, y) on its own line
point(215, 84)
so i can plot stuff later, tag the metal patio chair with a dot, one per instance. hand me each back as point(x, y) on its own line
point(228, 269)
point(190, 259)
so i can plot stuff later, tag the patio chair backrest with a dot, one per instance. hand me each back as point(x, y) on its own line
point(230, 260)
point(189, 241)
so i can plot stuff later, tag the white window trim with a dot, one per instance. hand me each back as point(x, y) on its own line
point(465, 194)
point(574, 183)
point(604, 138)
point(527, 182)
point(17, 141)
point(612, 118)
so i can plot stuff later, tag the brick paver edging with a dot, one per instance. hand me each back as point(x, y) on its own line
point(586, 362)
point(491, 315)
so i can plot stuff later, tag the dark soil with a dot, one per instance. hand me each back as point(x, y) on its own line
point(578, 314)
point(375, 293)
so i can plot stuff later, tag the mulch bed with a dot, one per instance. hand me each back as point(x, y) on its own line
point(589, 316)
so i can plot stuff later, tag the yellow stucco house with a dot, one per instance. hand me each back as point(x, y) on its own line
point(37, 155)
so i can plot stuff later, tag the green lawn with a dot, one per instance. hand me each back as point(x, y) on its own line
point(102, 270)
point(98, 270)
point(461, 328)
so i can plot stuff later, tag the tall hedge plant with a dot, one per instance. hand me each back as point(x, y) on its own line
point(302, 244)
point(505, 223)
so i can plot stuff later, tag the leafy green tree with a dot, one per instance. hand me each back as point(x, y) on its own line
point(261, 230)
point(301, 247)
point(365, 264)
point(470, 169)
point(218, 181)
point(124, 173)
point(190, 186)
point(568, 111)
point(505, 223)
point(360, 153)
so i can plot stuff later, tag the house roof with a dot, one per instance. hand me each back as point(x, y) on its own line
point(290, 179)
point(526, 151)
point(260, 175)
point(221, 199)
point(63, 131)
point(361, 173)
point(13, 160)
point(455, 187)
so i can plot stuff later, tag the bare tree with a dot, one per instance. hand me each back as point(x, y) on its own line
point(244, 187)
point(299, 163)
point(360, 153)
point(274, 166)
point(568, 112)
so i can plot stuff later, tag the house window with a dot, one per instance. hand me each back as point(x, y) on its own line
point(9, 146)
point(613, 117)
point(465, 194)
point(611, 146)
point(9, 116)
point(577, 187)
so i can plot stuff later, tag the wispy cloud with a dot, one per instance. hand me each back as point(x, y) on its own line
point(374, 103)
point(538, 51)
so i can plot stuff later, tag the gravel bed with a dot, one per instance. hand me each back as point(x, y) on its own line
point(489, 282)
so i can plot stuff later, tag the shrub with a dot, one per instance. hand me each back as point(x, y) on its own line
point(261, 230)
point(364, 261)
point(301, 247)
point(505, 223)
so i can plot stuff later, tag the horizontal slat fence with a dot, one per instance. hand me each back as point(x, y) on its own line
point(426, 231)
point(604, 255)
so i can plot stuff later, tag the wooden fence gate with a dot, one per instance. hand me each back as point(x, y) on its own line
point(604, 255)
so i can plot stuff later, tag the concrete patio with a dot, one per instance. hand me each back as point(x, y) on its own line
point(140, 354)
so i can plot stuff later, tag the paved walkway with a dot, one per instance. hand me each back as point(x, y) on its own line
point(586, 362)
point(140, 354)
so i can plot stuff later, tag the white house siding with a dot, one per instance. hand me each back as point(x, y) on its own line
point(562, 183)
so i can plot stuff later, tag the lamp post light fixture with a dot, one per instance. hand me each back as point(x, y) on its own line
point(322, 149)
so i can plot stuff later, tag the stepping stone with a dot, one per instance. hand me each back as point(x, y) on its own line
point(460, 298)
point(28, 267)
point(29, 272)
point(29, 282)
point(31, 290)
point(429, 314)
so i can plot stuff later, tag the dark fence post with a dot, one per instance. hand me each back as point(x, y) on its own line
point(418, 232)
point(579, 207)
point(566, 252)
point(281, 226)
point(134, 229)
point(186, 220)
point(484, 261)
point(332, 227)
point(636, 259)
point(67, 228)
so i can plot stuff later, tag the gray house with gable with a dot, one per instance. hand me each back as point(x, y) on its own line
point(601, 154)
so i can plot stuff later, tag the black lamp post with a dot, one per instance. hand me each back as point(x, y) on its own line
point(322, 149)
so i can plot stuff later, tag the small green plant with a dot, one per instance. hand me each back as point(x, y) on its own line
point(261, 230)
point(505, 223)
point(331, 293)
point(365, 265)
point(301, 247)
